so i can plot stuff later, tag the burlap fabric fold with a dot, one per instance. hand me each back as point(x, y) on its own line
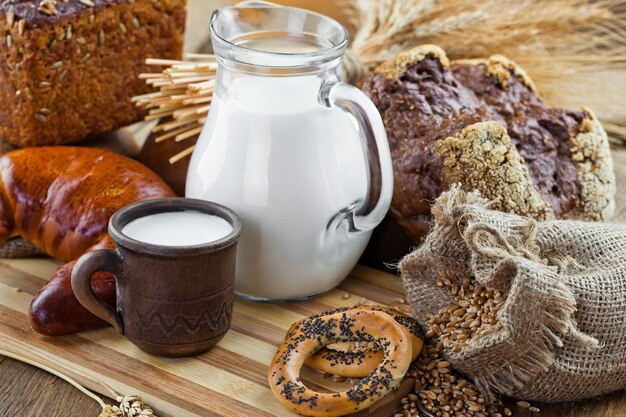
point(562, 333)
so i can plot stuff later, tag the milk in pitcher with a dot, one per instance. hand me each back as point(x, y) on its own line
point(292, 167)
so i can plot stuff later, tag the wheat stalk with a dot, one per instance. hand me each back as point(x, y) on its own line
point(183, 99)
point(129, 405)
point(574, 50)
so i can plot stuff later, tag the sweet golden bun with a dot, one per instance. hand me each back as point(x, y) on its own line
point(60, 200)
point(358, 364)
point(307, 336)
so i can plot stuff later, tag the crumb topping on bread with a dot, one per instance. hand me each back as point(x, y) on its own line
point(482, 158)
point(502, 68)
point(394, 68)
point(595, 169)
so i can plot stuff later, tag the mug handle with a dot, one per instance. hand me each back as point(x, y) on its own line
point(101, 260)
point(375, 151)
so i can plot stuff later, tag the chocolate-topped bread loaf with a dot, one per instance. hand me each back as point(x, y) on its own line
point(481, 123)
point(69, 68)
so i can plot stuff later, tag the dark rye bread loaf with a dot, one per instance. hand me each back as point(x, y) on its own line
point(481, 123)
point(68, 68)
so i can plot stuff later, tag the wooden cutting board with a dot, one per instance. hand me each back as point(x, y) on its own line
point(229, 380)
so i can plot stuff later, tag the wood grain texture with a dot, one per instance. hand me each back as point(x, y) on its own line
point(613, 405)
point(27, 391)
point(236, 366)
point(229, 377)
point(228, 380)
point(30, 392)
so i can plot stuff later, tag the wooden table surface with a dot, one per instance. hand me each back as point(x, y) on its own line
point(28, 392)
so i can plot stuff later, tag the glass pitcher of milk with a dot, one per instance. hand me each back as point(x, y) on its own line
point(299, 155)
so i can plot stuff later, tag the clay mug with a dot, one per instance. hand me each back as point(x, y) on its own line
point(171, 300)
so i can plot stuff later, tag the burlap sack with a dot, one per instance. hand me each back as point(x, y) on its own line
point(563, 324)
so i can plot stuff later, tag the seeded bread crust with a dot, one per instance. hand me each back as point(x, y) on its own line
point(68, 68)
point(481, 123)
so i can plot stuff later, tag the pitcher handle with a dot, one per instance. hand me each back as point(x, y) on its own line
point(375, 151)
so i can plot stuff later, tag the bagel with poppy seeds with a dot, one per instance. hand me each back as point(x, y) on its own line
point(359, 363)
point(343, 326)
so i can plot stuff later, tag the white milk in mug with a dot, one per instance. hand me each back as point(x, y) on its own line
point(183, 228)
